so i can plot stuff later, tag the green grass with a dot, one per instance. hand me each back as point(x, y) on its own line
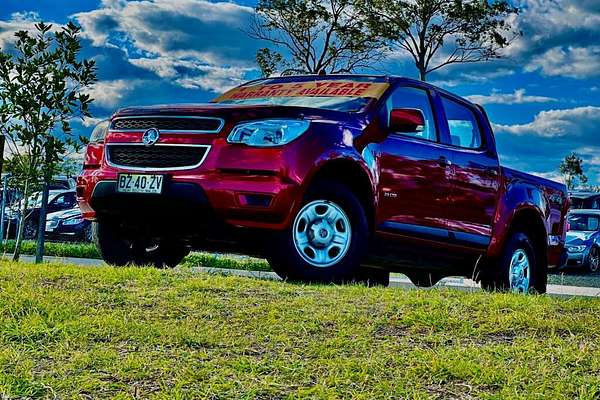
point(74, 332)
point(89, 250)
point(225, 261)
point(571, 277)
point(81, 250)
point(575, 277)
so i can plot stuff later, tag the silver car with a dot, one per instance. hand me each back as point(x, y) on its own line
point(583, 239)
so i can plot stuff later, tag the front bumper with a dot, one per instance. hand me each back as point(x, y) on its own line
point(577, 259)
point(238, 198)
point(57, 230)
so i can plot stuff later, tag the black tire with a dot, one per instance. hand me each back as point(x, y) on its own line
point(496, 276)
point(164, 255)
point(114, 249)
point(290, 265)
point(593, 264)
point(117, 249)
point(424, 279)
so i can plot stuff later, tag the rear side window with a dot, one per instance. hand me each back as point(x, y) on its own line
point(409, 97)
point(464, 129)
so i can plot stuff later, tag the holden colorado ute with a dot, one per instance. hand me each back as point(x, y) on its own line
point(330, 178)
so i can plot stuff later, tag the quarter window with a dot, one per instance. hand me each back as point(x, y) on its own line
point(464, 129)
point(409, 97)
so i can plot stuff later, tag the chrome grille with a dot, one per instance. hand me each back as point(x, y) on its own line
point(179, 124)
point(135, 156)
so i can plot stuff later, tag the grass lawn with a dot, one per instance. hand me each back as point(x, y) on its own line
point(570, 277)
point(69, 331)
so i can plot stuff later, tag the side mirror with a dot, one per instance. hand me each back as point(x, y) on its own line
point(406, 120)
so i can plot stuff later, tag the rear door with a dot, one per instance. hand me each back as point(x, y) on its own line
point(414, 169)
point(476, 172)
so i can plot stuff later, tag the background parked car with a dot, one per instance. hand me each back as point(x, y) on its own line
point(585, 200)
point(68, 225)
point(583, 239)
point(58, 200)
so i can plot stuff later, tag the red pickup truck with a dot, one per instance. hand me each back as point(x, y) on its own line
point(330, 178)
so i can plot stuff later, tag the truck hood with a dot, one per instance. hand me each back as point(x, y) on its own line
point(578, 237)
point(236, 112)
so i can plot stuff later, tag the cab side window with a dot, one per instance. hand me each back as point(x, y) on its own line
point(409, 97)
point(464, 129)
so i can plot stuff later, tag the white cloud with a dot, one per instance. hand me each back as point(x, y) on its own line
point(560, 38)
point(574, 62)
point(19, 22)
point(92, 121)
point(110, 93)
point(517, 97)
point(580, 122)
point(193, 43)
point(193, 74)
point(552, 175)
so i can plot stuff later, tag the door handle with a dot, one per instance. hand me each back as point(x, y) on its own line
point(444, 162)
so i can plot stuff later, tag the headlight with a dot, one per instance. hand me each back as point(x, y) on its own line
point(99, 132)
point(73, 221)
point(268, 133)
point(576, 249)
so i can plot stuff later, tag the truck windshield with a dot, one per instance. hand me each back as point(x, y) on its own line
point(330, 94)
point(584, 222)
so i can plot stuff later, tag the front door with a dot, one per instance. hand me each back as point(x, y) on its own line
point(414, 169)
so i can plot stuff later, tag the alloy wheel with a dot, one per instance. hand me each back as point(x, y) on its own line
point(594, 259)
point(519, 272)
point(322, 233)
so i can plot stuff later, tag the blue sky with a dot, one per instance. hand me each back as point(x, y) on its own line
point(543, 97)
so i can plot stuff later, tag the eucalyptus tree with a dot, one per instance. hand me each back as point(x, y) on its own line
point(314, 36)
point(438, 33)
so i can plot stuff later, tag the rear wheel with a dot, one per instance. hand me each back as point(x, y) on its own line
point(118, 249)
point(517, 270)
point(593, 264)
point(326, 240)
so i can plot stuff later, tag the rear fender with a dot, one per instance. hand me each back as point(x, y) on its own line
point(519, 200)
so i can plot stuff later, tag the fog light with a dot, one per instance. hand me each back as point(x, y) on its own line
point(255, 200)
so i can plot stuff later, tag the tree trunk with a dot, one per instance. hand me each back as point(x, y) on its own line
point(39, 251)
point(19, 240)
point(422, 74)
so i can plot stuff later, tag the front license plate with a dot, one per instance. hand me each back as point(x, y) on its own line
point(140, 183)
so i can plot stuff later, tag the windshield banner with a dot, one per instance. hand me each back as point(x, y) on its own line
point(319, 88)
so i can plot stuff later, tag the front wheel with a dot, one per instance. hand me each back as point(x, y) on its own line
point(517, 270)
point(118, 248)
point(326, 240)
point(593, 264)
